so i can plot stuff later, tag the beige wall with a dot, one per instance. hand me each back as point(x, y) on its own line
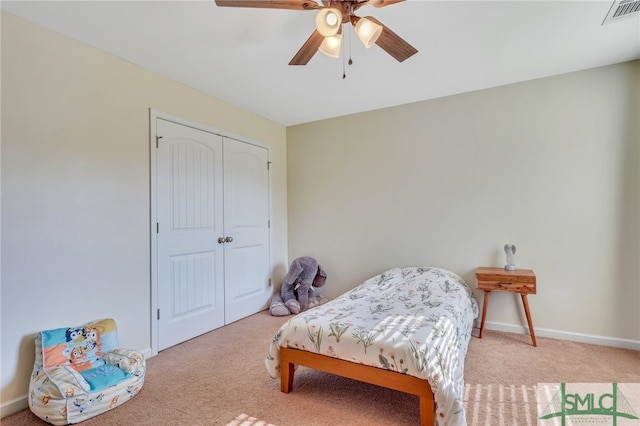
point(549, 165)
point(75, 189)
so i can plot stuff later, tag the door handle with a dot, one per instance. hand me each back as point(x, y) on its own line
point(220, 240)
point(228, 239)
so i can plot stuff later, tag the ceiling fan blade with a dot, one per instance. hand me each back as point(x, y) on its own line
point(393, 44)
point(308, 49)
point(270, 4)
point(382, 3)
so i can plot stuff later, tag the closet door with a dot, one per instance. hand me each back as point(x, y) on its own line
point(246, 222)
point(189, 205)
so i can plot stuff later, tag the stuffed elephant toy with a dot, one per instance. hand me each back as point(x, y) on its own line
point(296, 293)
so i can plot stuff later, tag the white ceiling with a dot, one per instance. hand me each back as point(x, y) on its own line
point(240, 55)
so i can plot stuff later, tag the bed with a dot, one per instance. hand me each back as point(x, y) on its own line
point(407, 329)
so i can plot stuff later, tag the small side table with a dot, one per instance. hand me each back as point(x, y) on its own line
point(522, 281)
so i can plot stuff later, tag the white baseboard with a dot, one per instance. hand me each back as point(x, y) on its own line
point(147, 353)
point(13, 406)
point(614, 342)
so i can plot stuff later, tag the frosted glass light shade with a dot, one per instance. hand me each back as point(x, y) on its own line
point(368, 31)
point(328, 21)
point(331, 46)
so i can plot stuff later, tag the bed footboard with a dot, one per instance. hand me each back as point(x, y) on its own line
point(364, 373)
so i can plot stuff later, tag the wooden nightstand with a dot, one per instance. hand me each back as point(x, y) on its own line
point(521, 281)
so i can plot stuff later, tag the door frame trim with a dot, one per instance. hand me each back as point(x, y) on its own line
point(154, 115)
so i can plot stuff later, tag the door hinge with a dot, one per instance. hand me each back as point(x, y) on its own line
point(158, 313)
point(268, 165)
point(157, 227)
point(269, 282)
point(157, 140)
point(268, 224)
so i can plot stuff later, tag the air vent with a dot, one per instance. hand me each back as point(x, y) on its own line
point(622, 9)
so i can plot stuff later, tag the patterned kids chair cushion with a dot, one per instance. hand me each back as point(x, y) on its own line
point(80, 372)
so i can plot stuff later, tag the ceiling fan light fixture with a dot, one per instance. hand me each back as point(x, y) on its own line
point(331, 46)
point(367, 31)
point(328, 21)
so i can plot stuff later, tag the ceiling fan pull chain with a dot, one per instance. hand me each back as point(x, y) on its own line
point(344, 72)
point(350, 35)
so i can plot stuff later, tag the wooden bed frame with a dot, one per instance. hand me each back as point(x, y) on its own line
point(364, 373)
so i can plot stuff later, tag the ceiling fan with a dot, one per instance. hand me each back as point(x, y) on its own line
point(331, 14)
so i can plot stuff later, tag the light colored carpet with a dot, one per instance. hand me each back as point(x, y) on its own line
point(220, 379)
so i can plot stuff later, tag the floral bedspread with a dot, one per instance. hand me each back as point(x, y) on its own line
point(413, 320)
